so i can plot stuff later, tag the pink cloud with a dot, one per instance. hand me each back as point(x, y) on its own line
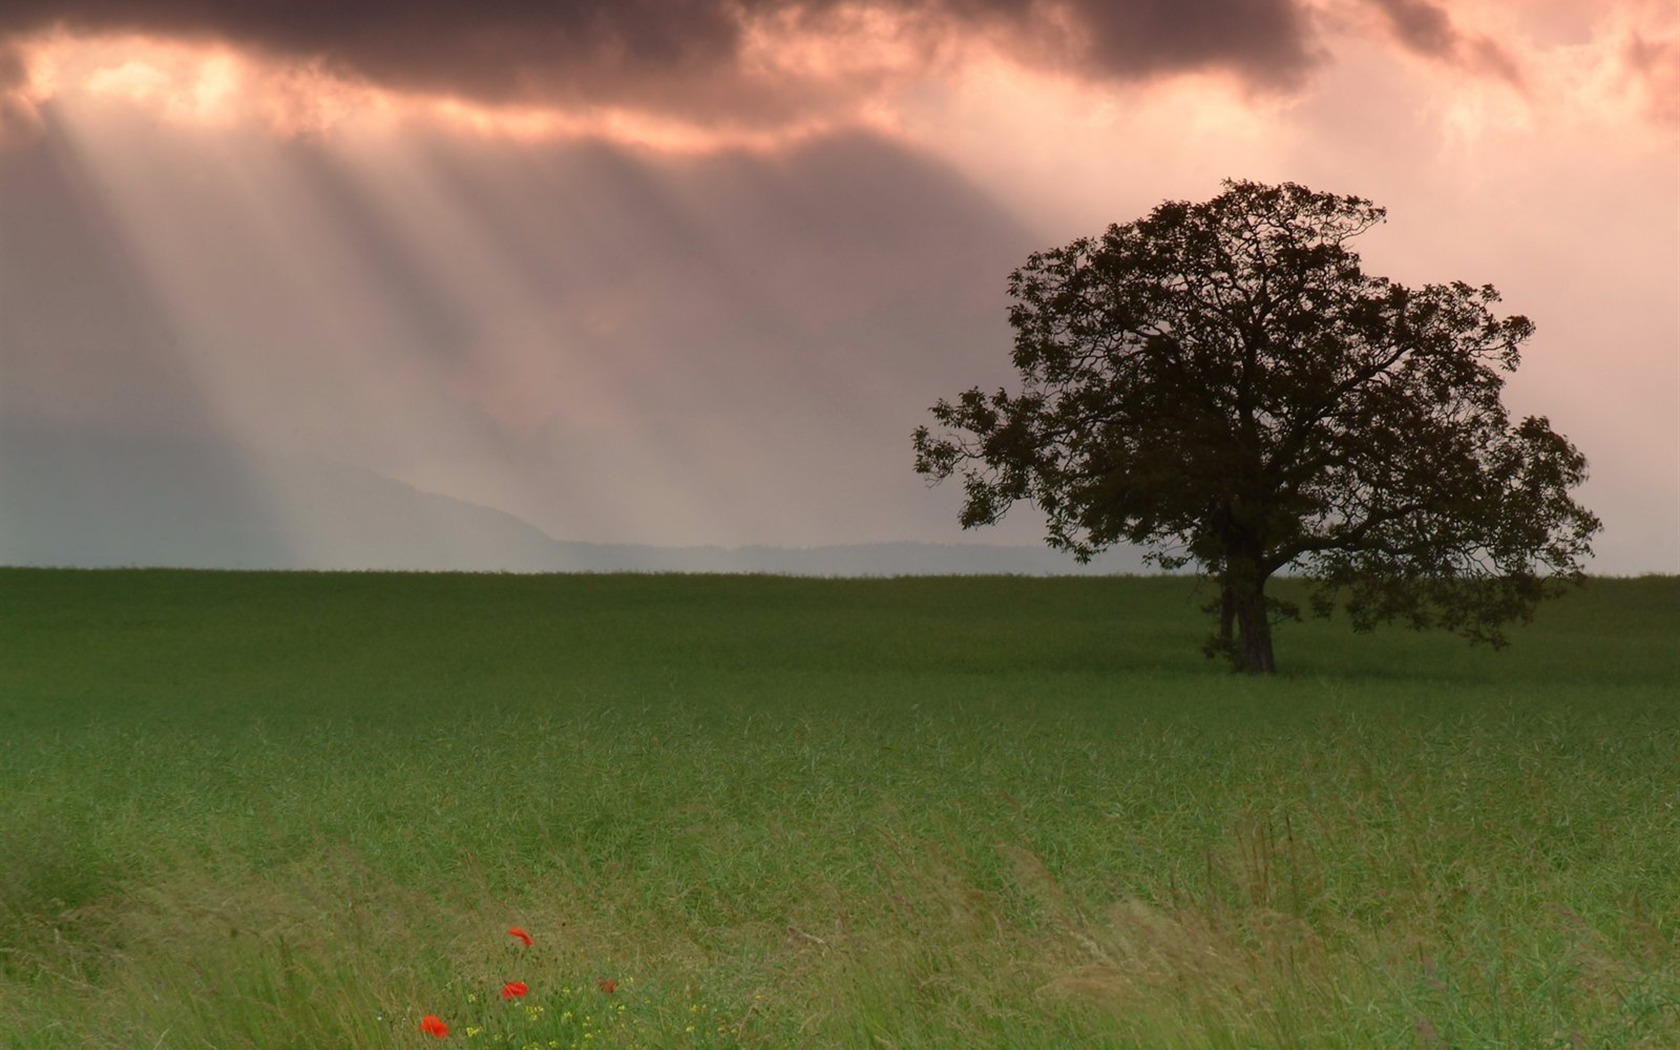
point(20, 123)
point(1654, 68)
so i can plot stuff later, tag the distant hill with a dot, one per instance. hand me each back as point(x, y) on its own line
point(75, 499)
point(863, 559)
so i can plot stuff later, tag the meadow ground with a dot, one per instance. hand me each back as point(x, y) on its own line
point(299, 810)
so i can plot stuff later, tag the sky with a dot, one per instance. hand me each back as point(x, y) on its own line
point(687, 272)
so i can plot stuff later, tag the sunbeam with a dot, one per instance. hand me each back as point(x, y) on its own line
point(702, 295)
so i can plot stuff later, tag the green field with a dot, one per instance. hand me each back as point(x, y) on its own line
point(301, 810)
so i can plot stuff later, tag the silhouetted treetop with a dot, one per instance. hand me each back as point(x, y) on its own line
point(1224, 384)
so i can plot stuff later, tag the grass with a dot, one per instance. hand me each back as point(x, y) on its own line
point(300, 810)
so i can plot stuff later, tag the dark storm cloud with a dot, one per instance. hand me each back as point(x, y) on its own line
point(1426, 28)
point(678, 53)
point(1421, 26)
point(1265, 40)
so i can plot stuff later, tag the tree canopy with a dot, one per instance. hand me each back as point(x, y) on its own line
point(1223, 384)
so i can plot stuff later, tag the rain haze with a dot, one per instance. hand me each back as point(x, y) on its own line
point(436, 285)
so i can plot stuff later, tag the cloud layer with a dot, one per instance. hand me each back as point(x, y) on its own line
point(702, 74)
point(736, 57)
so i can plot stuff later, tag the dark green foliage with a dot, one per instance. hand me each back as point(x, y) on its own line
point(1223, 383)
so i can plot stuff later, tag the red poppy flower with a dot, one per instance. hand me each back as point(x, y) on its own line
point(432, 1026)
point(606, 985)
point(515, 931)
point(514, 989)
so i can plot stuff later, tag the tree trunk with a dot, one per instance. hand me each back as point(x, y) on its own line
point(1247, 591)
point(1227, 609)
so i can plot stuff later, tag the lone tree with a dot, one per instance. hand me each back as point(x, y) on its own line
point(1223, 383)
